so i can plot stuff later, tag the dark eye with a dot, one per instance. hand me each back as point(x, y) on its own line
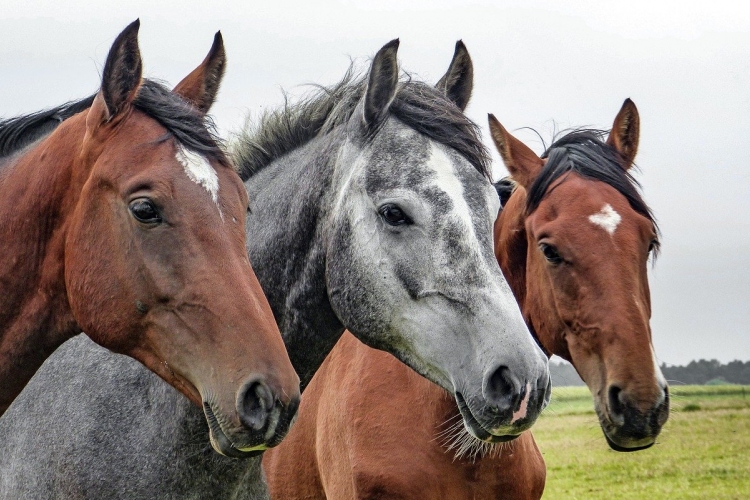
point(653, 245)
point(393, 215)
point(144, 211)
point(550, 253)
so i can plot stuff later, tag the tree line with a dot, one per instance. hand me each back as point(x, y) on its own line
point(698, 372)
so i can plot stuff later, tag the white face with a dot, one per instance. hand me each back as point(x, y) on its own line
point(412, 269)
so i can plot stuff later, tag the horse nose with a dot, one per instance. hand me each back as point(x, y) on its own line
point(662, 410)
point(503, 390)
point(255, 402)
point(625, 414)
point(617, 405)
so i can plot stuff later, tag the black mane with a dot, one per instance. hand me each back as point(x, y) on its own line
point(190, 128)
point(18, 132)
point(585, 153)
point(420, 106)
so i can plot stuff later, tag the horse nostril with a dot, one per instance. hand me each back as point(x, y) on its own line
point(616, 404)
point(254, 404)
point(502, 390)
point(545, 389)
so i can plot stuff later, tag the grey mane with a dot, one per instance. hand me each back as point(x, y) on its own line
point(418, 105)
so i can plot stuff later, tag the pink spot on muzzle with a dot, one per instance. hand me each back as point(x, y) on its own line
point(521, 413)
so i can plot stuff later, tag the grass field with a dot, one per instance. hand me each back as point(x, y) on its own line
point(703, 451)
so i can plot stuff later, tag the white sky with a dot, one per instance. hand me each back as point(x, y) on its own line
point(685, 64)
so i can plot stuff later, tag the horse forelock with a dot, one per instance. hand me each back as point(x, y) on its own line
point(584, 152)
point(418, 105)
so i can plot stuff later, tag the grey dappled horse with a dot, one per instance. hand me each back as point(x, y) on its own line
point(371, 209)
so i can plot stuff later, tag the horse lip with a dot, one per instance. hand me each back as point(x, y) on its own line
point(475, 428)
point(221, 443)
point(623, 449)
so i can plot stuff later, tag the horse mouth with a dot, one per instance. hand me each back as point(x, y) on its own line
point(617, 447)
point(475, 428)
point(618, 442)
point(222, 444)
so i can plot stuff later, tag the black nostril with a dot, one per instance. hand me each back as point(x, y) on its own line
point(502, 389)
point(254, 404)
point(616, 405)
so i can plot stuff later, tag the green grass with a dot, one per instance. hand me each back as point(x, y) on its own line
point(703, 451)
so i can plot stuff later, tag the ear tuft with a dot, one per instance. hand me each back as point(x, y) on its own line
point(522, 163)
point(625, 133)
point(201, 86)
point(381, 84)
point(122, 71)
point(458, 81)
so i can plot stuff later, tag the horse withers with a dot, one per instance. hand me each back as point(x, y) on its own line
point(350, 440)
point(121, 216)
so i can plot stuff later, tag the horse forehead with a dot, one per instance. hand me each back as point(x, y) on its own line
point(405, 158)
point(576, 197)
point(199, 170)
point(468, 194)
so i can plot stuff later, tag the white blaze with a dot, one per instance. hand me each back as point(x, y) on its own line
point(607, 219)
point(199, 171)
point(448, 182)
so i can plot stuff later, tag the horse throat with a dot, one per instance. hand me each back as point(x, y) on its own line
point(286, 245)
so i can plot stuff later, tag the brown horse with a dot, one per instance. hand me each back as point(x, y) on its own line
point(573, 240)
point(126, 221)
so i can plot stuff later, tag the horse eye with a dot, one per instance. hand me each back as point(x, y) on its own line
point(393, 215)
point(653, 245)
point(144, 211)
point(550, 253)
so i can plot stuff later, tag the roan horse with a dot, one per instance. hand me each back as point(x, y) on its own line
point(574, 240)
point(126, 222)
point(371, 210)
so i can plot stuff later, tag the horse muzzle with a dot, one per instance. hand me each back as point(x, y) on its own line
point(264, 420)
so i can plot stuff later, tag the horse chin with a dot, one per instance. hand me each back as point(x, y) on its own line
point(626, 449)
point(477, 430)
point(222, 444)
point(620, 443)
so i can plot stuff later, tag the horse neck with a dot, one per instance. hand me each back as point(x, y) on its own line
point(39, 191)
point(286, 221)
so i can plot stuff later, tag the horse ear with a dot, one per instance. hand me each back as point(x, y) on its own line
point(122, 71)
point(522, 163)
point(458, 81)
point(625, 133)
point(202, 84)
point(382, 83)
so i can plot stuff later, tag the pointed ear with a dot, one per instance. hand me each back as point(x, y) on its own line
point(625, 133)
point(522, 163)
point(200, 87)
point(122, 72)
point(381, 85)
point(458, 81)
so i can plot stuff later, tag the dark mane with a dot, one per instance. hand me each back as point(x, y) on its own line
point(585, 153)
point(189, 127)
point(418, 105)
point(18, 132)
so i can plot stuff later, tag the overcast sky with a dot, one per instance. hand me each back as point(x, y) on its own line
point(538, 64)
